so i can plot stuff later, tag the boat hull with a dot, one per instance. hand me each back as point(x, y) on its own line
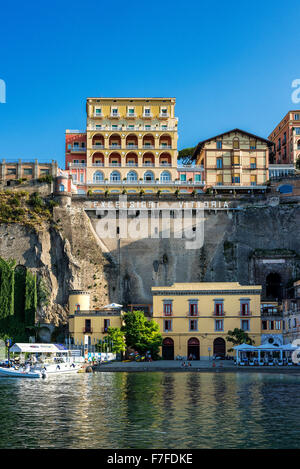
point(13, 373)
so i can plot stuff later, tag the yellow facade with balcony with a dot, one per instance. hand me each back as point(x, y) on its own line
point(194, 318)
point(131, 144)
point(91, 323)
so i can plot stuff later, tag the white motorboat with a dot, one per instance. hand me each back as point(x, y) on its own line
point(19, 372)
point(44, 360)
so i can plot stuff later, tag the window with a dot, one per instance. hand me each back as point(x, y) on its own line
point(167, 325)
point(27, 171)
point(75, 145)
point(296, 117)
point(219, 163)
point(168, 308)
point(115, 176)
point(182, 177)
point(264, 325)
point(147, 127)
point(252, 144)
point(271, 325)
point(98, 126)
point(297, 130)
point(219, 144)
point(131, 111)
point(11, 171)
point(98, 176)
point(219, 325)
point(114, 127)
point(106, 325)
point(277, 325)
point(197, 177)
point(253, 180)
point(295, 323)
point(245, 324)
point(81, 177)
point(253, 163)
point(235, 179)
point(236, 144)
point(245, 307)
point(87, 327)
point(165, 176)
point(219, 307)
point(98, 111)
point(163, 111)
point(193, 311)
point(193, 325)
point(114, 111)
point(147, 111)
point(163, 127)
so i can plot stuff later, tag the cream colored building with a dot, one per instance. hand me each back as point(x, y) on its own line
point(194, 318)
point(234, 160)
point(92, 323)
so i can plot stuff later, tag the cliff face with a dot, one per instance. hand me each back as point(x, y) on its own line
point(242, 245)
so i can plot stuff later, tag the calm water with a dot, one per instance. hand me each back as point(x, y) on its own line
point(151, 410)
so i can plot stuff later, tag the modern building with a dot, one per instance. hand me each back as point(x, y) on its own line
point(194, 318)
point(286, 140)
point(234, 161)
point(13, 171)
point(130, 144)
point(91, 323)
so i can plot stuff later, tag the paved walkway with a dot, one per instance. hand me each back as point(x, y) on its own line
point(196, 365)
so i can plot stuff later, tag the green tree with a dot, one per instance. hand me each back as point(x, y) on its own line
point(186, 153)
point(237, 337)
point(116, 339)
point(141, 334)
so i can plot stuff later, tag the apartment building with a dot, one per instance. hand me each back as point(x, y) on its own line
point(194, 318)
point(271, 323)
point(234, 161)
point(286, 140)
point(291, 315)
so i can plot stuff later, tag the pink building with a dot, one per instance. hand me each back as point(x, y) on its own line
point(286, 139)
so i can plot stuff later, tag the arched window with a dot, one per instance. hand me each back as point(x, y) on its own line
point(98, 176)
point(132, 176)
point(148, 176)
point(115, 176)
point(165, 176)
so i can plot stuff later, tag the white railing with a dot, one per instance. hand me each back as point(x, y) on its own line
point(98, 147)
point(141, 183)
point(82, 149)
point(77, 165)
point(124, 128)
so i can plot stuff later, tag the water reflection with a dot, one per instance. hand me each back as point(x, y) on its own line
point(151, 410)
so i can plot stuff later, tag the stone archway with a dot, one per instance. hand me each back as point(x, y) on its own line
point(168, 349)
point(193, 349)
point(219, 347)
point(273, 286)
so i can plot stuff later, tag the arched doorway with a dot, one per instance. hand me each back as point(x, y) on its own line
point(168, 349)
point(219, 348)
point(273, 286)
point(193, 349)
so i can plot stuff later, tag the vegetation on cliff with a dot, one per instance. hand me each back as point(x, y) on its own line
point(24, 208)
point(20, 296)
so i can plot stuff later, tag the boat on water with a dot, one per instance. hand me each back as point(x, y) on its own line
point(40, 360)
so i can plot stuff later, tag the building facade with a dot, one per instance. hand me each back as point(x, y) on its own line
point(286, 140)
point(91, 323)
point(13, 171)
point(130, 145)
point(194, 318)
point(271, 323)
point(291, 315)
point(235, 160)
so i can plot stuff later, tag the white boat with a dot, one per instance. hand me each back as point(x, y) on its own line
point(19, 372)
point(45, 359)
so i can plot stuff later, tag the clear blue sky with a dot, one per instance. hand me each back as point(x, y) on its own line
point(229, 64)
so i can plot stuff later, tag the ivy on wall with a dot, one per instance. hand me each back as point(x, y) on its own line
point(20, 295)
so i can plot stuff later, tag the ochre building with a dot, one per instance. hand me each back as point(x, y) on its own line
point(194, 318)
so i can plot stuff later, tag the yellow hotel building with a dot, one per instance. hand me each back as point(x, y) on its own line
point(131, 144)
point(93, 323)
point(235, 160)
point(194, 318)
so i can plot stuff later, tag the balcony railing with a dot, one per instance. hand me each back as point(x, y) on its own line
point(131, 165)
point(87, 330)
point(114, 147)
point(218, 314)
point(78, 149)
point(99, 146)
point(136, 128)
point(98, 164)
point(153, 182)
point(105, 329)
point(131, 147)
point(148, 147)
point(77, 165)
point(245, 314)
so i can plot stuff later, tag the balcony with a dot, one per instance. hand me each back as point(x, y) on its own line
point(245, 315)
point(115, 147)
point(100, 146)
point(147, 115)
point(163, 115)
point(98, 164)
point(78, 150)
point(165, 147)
point(131, 115)
point(77, 165)
point(115, 115)
point(131, 165)
point(148, 147)
point(131, 147)
point(217, 314)
point(87, 330)
point(115, 165)
point(105, 329)
point(168, 165)
point(192, 315)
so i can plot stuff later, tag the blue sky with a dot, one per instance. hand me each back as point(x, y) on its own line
point(229, 64)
